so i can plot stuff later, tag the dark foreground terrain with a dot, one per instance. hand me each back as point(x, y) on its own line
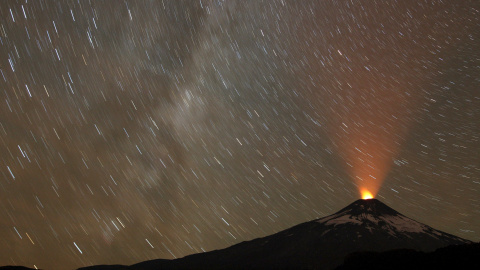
point(451, 257)
point(465, 256)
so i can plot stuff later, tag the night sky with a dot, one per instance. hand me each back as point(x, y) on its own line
point(155, 129)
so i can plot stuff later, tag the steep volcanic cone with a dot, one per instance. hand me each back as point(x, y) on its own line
point(364, 225)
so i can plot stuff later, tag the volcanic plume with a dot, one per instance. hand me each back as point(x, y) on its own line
point(369, 140)
point(372, 101)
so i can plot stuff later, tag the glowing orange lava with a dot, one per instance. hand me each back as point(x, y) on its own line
point(366, 194)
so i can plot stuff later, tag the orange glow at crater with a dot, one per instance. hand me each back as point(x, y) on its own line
point(366, 194)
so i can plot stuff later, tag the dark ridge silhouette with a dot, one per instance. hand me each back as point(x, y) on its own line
point(451, 257)
point(107, 267)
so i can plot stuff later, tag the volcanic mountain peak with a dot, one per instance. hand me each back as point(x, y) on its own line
point(362, 211)
point(373, 215)
point(373, 206)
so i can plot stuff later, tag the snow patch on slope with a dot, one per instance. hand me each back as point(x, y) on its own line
point(404, 224)
point(342, 220)
point(398, 223)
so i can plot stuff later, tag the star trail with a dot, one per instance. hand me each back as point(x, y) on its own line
point(137, 130)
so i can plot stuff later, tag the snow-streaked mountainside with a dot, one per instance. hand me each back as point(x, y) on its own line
point(364, 225)
point(374, 215)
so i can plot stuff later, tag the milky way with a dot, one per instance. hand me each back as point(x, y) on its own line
point(155, 129)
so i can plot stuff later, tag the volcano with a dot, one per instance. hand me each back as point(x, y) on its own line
point(364, 225)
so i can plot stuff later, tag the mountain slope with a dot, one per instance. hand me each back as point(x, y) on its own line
point(364, 225)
